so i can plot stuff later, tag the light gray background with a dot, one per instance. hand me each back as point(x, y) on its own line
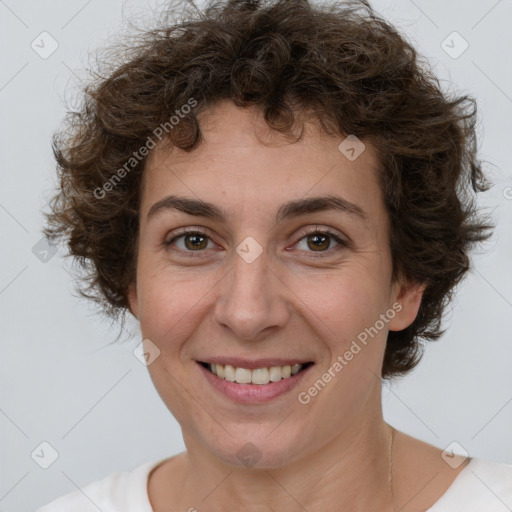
point(61, 381)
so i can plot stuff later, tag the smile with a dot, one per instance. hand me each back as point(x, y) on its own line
point(259, 376)
point(253, 382)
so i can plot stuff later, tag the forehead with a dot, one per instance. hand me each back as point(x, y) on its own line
point(240, 160)
point(225, 125)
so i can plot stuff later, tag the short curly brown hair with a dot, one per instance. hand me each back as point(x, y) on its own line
point(342, 62)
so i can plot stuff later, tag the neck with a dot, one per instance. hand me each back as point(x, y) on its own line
point(336, 477)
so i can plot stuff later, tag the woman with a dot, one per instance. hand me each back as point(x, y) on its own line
point(284, 199)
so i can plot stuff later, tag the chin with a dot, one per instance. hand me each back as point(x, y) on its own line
point(258, 451)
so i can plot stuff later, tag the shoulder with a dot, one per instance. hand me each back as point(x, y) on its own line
point(121, 491)
point(482, 485)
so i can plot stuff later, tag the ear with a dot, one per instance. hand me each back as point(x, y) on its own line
point(407, 297)
point(132, 300)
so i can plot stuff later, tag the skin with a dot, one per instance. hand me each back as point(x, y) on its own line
point(323, 455)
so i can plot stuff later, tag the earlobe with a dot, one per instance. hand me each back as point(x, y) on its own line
point(132, 300)
point(409, 298)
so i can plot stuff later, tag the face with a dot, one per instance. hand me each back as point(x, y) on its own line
point(261, 285)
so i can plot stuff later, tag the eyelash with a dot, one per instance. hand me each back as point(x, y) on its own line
point(342, 243)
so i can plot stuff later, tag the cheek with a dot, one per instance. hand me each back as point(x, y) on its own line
point(166, 296)
point(159, 308)
point(350, 299)
point(349, 306)
point(172, 306)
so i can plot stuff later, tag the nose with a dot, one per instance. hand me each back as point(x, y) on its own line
point(252, 300)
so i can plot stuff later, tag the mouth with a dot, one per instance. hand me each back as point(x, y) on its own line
point(257, 375)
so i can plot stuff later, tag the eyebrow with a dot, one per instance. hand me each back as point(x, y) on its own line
point(287, 210)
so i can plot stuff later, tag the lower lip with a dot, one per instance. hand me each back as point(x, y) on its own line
point(253, 393)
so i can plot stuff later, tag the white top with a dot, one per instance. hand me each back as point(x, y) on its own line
point(483, 485)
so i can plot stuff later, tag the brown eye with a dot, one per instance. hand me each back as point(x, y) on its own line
point(194, 241)
point(318, 241)
point(321, 242)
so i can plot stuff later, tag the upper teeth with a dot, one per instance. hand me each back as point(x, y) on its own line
point(256, 376)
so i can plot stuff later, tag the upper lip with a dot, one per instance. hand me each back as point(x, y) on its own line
point(251, 364)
